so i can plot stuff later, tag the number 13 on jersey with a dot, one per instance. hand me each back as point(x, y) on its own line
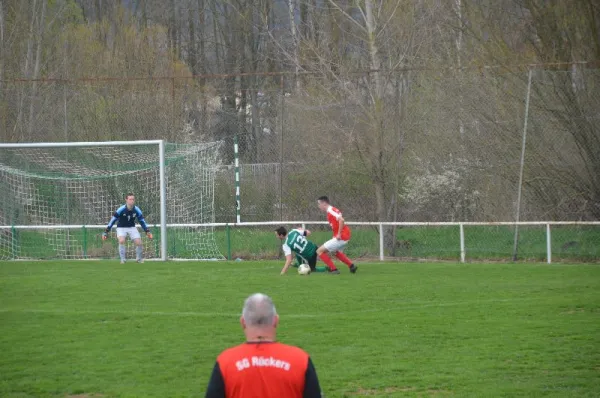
point(300, 243)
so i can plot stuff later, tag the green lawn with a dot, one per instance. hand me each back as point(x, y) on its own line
point(392, 330)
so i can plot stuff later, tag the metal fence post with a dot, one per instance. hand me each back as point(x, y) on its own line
point(228, 233)
point(282, 117)
point(237, 179)
point(381, 253)
point(462, 242)
point(548, 244)
point(520, 187)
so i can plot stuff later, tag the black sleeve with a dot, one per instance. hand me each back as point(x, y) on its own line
point(311, 382)
point(216, 385)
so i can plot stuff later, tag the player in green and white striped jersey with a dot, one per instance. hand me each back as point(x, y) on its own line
point(295, 241)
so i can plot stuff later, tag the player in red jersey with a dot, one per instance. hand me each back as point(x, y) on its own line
point(341, 236)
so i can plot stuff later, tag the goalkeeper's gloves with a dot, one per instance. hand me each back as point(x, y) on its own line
point(104, 235)
point(149, 234)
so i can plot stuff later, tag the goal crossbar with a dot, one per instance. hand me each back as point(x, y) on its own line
point(78, 144)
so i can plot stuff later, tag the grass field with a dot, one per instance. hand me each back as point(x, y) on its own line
point(102, 329)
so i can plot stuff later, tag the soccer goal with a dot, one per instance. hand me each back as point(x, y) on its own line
point(56, 198)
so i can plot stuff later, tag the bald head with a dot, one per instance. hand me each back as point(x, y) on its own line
point(259, 311)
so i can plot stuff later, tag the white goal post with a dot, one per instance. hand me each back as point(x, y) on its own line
point(49, 191)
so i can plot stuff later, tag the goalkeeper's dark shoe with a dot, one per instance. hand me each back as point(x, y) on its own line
point(353, 268)
point(334, 271)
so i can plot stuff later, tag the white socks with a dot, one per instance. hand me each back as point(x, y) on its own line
point(139, 251)
point(122, 252)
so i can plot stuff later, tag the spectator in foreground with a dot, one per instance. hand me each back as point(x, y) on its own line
point(262, 367)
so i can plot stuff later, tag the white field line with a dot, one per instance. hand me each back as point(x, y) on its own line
point(195, 314)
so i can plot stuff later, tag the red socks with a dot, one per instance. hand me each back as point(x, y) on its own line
point(343, 258)
point(327, 260)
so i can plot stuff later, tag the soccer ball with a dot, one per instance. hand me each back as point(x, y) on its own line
point(303, 269)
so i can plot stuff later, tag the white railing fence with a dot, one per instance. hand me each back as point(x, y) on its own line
point(93, 232)
point(461, 226)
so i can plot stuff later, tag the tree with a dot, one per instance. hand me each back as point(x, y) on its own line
point(372, 123)
point(569, 33)
point(294, 34)
point(41, 24)
point(1, 46)
point(562, 104)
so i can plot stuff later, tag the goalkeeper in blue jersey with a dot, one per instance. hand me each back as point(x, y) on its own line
point(125, 217)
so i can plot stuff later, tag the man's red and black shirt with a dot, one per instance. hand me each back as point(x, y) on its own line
point(264, 369)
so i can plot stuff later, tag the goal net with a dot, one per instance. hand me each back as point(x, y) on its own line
point(55, 201)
